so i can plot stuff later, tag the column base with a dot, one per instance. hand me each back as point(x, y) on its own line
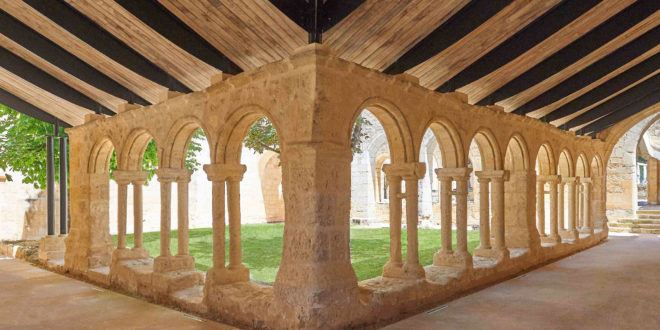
point(455, 259)
point(571, 234)
point(166, 264)
point(51, 247)
point(174, 273)
point(587, 230)
point(414, 270)
point(129, 254)
point(551, 239)
point(492, 253)
point(225, 275)
point(394, 270)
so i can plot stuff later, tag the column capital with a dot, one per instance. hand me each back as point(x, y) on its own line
point(126, 177)
point(407, 171)
point(173, 174)
point(492, 175)
point(224, 172)
point(585, 180)
point(549, 178)
point(456, 173)
point(570, 179)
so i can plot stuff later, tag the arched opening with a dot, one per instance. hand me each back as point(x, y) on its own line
point(545, 171)
point(598, 193)
point(102, 202)
point(517, 211)
point(584, 191)
point(569, 197)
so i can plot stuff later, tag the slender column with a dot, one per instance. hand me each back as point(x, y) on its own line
point(540, 207)
point(165, 215)
point(498, 213)
point(572, 232)
point(553, 182)
point(484, 214)
point(122, 192)
point(64, 205)
point(182, 213)
point(587, 227)
point(579, 197)
point(412, 267)
point(218, 210)
point(393, 267)
point(233, 201)
point(50, 182)
point(445, 213)
point(138, 211)
point(461, 215)
point(560, 206)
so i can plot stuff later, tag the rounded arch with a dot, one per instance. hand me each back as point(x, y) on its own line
point(545, 160)
point(516, 157)
point(230, 142)
point(582, 166)
point(178, 140)
point(489, 149)
point(395, 125)
point(596, 166)
point(134, 148)
point(565, 166)
point(452, 152)
point(100, 155)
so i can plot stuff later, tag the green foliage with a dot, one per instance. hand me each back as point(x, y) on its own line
point(262, 136)
point(262, 248)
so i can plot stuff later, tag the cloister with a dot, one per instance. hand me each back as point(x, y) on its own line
point(539, 187)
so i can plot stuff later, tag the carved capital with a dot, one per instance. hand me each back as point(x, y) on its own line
point(495, 175)
point(224, 172)
point(173, 175)
point(407, 171)
point(456, 173)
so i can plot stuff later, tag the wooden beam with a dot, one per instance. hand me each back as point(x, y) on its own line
point(652, 100)
point(26, 108)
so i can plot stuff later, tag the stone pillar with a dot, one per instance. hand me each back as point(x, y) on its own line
point(122, 195)
point(412, 173)
point(553, 181)
point(182, 213)
point(540, 207)
point(123, 178)
point(571, 231)
point(234, 204)
point(520, 210)
point(445, 213)
point(587, 223)
point(498, 250)
point(652, 181)
point(459, 258)
point(580, 203)
point(394, 266)
point(138, 181)
point(560, 205)
point(484, 214)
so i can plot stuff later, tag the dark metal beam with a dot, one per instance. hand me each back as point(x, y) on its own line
point(578, 49)
point(56, 55)
point(630, 96)
point(467, 19)
point(50, 181)
point(595, 71)
point(171, 27)
point(26, 108)
point(43, 80)
point(621, 114)
point(608, 88)
point(64, 205)
point(88, 31)
point(534, 33)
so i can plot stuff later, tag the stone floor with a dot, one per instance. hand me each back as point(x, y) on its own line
point(32, 298)
point(615, 285)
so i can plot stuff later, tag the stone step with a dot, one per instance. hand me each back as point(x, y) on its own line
point(638, 221)
point(635, 230)
point(99, 275)
point(191, 299)
point(184, 279)
point(648, 212)
point(648, 216)
point(635, 225)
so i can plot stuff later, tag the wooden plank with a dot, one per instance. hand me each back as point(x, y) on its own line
point(58, 107)
point(443, 66)
point(141, 86)
point(379, 32)
point(525, 96)
point(110, 101)
point(488, 84)
point(249, 32)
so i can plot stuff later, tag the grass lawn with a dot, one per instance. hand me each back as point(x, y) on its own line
point(262, 248)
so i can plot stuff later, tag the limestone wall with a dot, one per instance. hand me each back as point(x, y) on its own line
point(22, 209)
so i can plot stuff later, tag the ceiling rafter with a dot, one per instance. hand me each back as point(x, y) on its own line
point(26, 108)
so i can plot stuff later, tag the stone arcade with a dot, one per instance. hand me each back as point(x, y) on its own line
point(313, 98)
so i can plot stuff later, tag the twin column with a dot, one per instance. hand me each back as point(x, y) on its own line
point(556, 196)
point(446, 256)
point(410, 173)
point(138, 179)
point(571, 230)
point(231, 176)
point(496, 178)
point(166, 176)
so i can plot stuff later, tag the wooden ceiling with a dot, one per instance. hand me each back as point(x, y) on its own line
point(581, 65)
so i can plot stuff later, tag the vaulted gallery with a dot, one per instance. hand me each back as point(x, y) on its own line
point(331, 164)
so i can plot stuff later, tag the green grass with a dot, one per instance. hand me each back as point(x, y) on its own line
point(262, 248)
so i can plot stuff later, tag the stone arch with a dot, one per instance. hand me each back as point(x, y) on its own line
point(489, 149)
point(396, 128)
point(565, 166)
point(378, 170)
point(516, 157)
point(270, 177)
point(450, 144)
point(545, 160)
point(178, 139)
point(133, 150)
point(230, 142)
point(99, 158)
point(582, 166)
point(596, 165)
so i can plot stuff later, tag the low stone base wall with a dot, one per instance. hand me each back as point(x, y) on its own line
point(26, 250)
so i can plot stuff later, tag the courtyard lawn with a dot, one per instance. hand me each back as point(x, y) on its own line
point(262, 248)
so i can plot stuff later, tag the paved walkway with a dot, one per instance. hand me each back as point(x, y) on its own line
point(32, 298)
point(615, 285)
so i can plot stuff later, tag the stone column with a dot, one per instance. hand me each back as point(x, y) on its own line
point(560, 205)
point(652, 181)
point(445, 214)
point(182, 213)
point(579, 196)
point(413, 173)
point(235, 266)
point(553, 181)
point(122, 206)
point(498, 250)
point(587, 224)
point(540, 207)
point(461, 219)
point(165, 214)
point(138, 182)
point(484, 214)
point(394, 266)
point(571, 231)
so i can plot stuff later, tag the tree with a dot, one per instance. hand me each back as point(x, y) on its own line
point(262, 136)
point(23, 148)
